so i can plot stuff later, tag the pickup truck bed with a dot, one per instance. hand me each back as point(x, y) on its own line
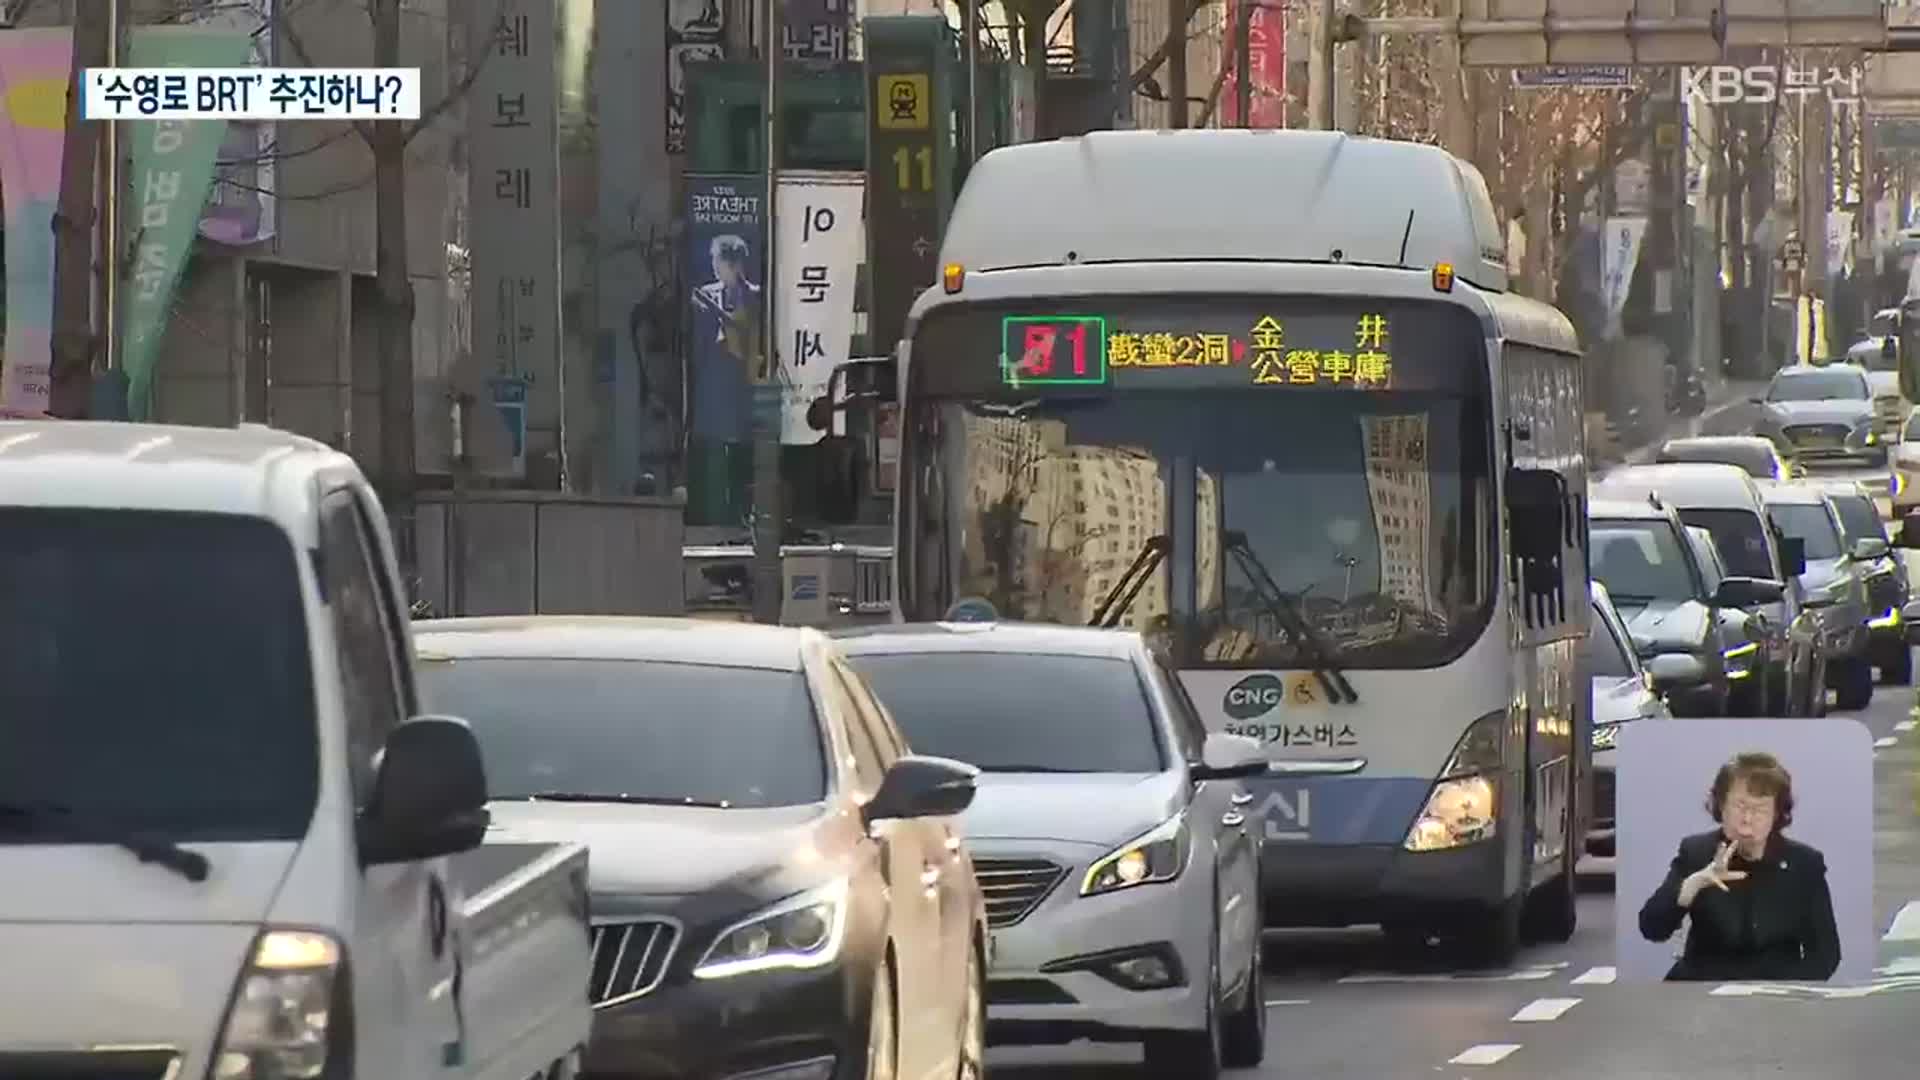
point(526, 951)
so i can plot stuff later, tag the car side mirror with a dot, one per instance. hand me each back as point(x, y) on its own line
point(1229, 757)
point(919, 786)
point(1744, 592)
point(1869, 548)
point(1909, 534)
point(1793, 552)
point(1671, 671)
point(429, 795)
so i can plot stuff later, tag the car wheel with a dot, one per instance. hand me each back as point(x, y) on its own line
point(973, 1022)
point(883, 1040)
point(1492, 938)
point(1898, 670)
point(1191, 1055)
point(1553, 911)
point(1854, 687)
point(1244, 1040)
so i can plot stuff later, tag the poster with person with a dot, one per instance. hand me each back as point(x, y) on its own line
point(725, 265)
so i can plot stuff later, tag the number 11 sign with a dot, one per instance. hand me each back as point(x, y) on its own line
point(1054, 350)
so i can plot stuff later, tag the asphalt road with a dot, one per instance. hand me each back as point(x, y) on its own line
point(1342, 1004)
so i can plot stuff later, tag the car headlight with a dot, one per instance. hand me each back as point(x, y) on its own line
point(1159, 854)
point(803, 931)
point(279, 1024)
point(1462, 807)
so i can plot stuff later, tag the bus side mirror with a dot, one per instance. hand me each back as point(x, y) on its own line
point(1536, 513)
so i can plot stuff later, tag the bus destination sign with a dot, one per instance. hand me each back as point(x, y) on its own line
point(1085, 350)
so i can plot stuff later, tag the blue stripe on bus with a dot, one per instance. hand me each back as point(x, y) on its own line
point(1337, 809)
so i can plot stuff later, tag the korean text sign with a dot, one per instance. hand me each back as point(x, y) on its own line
point(820, 244)
point(147, 91)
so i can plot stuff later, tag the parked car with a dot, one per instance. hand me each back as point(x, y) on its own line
point(1648, 564)
point(232, 844)
point(1821, 413)
point(1759, 457)
point(1885, 573)
point(1623, 691)
point(777, 884)
point(1727, 502)
point(1834, 588)
point(1111, 834)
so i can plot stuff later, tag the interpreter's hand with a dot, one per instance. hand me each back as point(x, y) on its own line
point(1714, 875)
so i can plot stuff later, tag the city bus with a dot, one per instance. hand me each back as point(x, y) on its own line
point(1266, 397)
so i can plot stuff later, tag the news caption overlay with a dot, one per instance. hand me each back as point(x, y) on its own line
point(1753, 915)
point(250, 93)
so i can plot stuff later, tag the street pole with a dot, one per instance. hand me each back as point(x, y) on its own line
point(110, 237)
point(1320, 68)
point(768, 585)
point(1179, 13)
point(1243, 63)
point(970, 30)
point(73, 222)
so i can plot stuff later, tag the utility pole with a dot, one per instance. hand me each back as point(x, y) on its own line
point(768, 517)
point(1320, 67)
point(1457, 130)
point(112, 191)
point(1179, 13)
point(970, 33)
point(73, 221)
point(1243, 62)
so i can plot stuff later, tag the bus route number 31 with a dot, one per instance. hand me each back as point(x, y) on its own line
point(1054, 350)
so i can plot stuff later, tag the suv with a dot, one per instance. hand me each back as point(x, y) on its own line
point(1885, 574)
point(1726, 502)
point(1647, 561)
point(1834, 586)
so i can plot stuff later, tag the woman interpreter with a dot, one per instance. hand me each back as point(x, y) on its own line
point(1757, 902)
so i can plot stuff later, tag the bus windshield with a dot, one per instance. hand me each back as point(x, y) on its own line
point(1262, 520)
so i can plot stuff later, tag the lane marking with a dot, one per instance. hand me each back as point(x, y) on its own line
point(1528, 975)
point(1906, 924)
point(1889, 741)
point(1905, 726)
point(1905, 965)
point(1599, 976)
point(1544, 1009)
point(1484, 1054)
point(1906, 984)
point(1277, 1002)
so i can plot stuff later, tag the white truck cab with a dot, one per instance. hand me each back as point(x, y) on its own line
point(231, 847)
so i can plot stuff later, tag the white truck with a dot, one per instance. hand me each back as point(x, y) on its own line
point(231, 847)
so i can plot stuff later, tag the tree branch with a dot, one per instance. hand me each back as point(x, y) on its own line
point(1213, 96)
point(1176, 35)
point(284, 23)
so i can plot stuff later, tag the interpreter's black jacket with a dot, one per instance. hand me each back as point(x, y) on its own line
point(1776, 923)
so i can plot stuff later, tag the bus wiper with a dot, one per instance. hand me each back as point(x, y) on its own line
point(1111, 609)
point(1286, 608)
point(54, 819)
point(631, 800)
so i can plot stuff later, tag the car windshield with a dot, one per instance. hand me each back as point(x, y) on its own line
point(1819, 385)
point(155, 673)
point(1606, 655)
point(692, 733)
point(1859, 517)
point(1740, 538)
point(1019, 712)
point(1759, 462)
point(1811, 524)
point(1641, 561)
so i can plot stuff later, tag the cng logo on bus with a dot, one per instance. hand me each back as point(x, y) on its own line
point(1255, 695)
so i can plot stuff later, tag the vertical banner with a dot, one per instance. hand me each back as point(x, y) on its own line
point(513, 176)
point(1619, 254)
point(34, 70)
point(172, 172)
point(696, 33)
point(821, 241)
point(1266, 65)
point(241, 210)
point(726, 250)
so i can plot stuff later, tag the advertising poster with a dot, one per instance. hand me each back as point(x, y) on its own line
point(34, 68)
point(726, 250)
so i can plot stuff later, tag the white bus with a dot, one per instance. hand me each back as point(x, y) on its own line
point(1265, 396)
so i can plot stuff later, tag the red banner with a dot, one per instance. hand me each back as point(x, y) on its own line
point(1267, 63)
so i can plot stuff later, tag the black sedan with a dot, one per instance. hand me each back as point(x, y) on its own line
point(777, 887)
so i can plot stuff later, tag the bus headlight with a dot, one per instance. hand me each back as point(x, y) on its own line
point(1463, 806)
point(279, 1026)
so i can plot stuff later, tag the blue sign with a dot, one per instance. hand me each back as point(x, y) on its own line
point(1337, 810)
point(510, 397)
point(1584, 76)
point(806, 586)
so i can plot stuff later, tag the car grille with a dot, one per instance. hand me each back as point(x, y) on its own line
point(141, 1064)
point(1014, 887)
point(629, 959)
point(1603, 805)
point(1814, 436)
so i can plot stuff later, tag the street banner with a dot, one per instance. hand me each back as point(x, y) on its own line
point(172, 173)
point(820, 243)
point(242, 210)
point(34, 69)
point(1266, 63)
point(1619, 254)
point(726, 251)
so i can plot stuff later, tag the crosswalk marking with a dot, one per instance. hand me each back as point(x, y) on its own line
point(1536, 1012)
point(1904, 726)
point(1906, 924)
point(1484, 1054)
point(1883, 743)
point(1599, 976)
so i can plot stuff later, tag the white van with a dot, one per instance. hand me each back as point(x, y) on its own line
point(230, 848)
